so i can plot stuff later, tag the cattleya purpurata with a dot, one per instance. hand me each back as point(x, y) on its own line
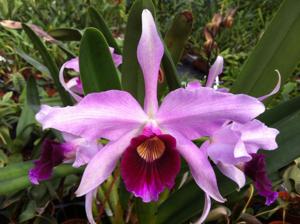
point(150, 141)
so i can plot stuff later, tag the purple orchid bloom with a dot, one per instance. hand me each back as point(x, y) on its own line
point(52, 155)
point(234, 145)
point(75, 150)
point(150, 141)
point(74, 85)
point(256, 170)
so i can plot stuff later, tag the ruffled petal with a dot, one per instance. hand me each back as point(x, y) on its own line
point(147, 174)
point(215, 70)
point(82, 151)
point(203, 111)
point(149, 53)
point(256, 170)
point(200, 166)
point(107, 114)
point(52, 155)
point(256, 135)
point(103, 163)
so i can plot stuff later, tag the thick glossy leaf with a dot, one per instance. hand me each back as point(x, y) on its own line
point(188, 201)
point(31, 106)
point(132, 78)
point(278, 48)
point(170, 71)
point(49, 62)
point(178, 34)
point(96, 20)
point(15, 184)
point(279, 112)
point(66, 34)
point(97, 69)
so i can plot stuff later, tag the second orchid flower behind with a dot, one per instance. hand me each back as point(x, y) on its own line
point(150, 140)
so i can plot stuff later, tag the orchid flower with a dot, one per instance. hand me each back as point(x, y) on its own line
point(234, 145)
point(75, 150)
point(150, 141)
point(74, 85)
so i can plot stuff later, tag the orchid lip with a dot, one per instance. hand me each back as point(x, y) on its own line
point(151, 149)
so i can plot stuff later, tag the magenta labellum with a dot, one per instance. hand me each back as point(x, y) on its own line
point(149, 165)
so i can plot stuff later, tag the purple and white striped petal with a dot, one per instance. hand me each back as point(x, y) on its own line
point(149, 53)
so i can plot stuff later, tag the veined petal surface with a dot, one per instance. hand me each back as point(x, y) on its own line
point(103, 163)
point(202, 111)
point(200, 166)
point(149, 53)
point(108, 114)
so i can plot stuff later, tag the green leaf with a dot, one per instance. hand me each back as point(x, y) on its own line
point(49, 62)
point(278, 48)
point(281, 111)
point(188, 201)
point(170, 71)
point(37, 65)
point(31, 106)
point(178, 34)
point(132, 77)
point(32, 96)
point(66, 34)
point(14, 184)
point(97, 69)
point(146, 211)
point(96, 20)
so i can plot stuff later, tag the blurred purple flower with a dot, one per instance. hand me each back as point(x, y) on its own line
point(74, 85)
point(256, 170)
point(52, 155)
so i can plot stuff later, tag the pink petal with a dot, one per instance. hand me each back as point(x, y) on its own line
point(193, 85)
point(89, 205)
point(256, 135)
point(147, 179)
point(73, 63)
point(215, 70)
point(202, 111)
point(108, 114)
point(116, 57)
point(233, 173)
point(149, 53)
point(200, 166)
point(275, 90)
point(206, 209)
point(75, 85)
point(82, 151)
point(103, 163)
